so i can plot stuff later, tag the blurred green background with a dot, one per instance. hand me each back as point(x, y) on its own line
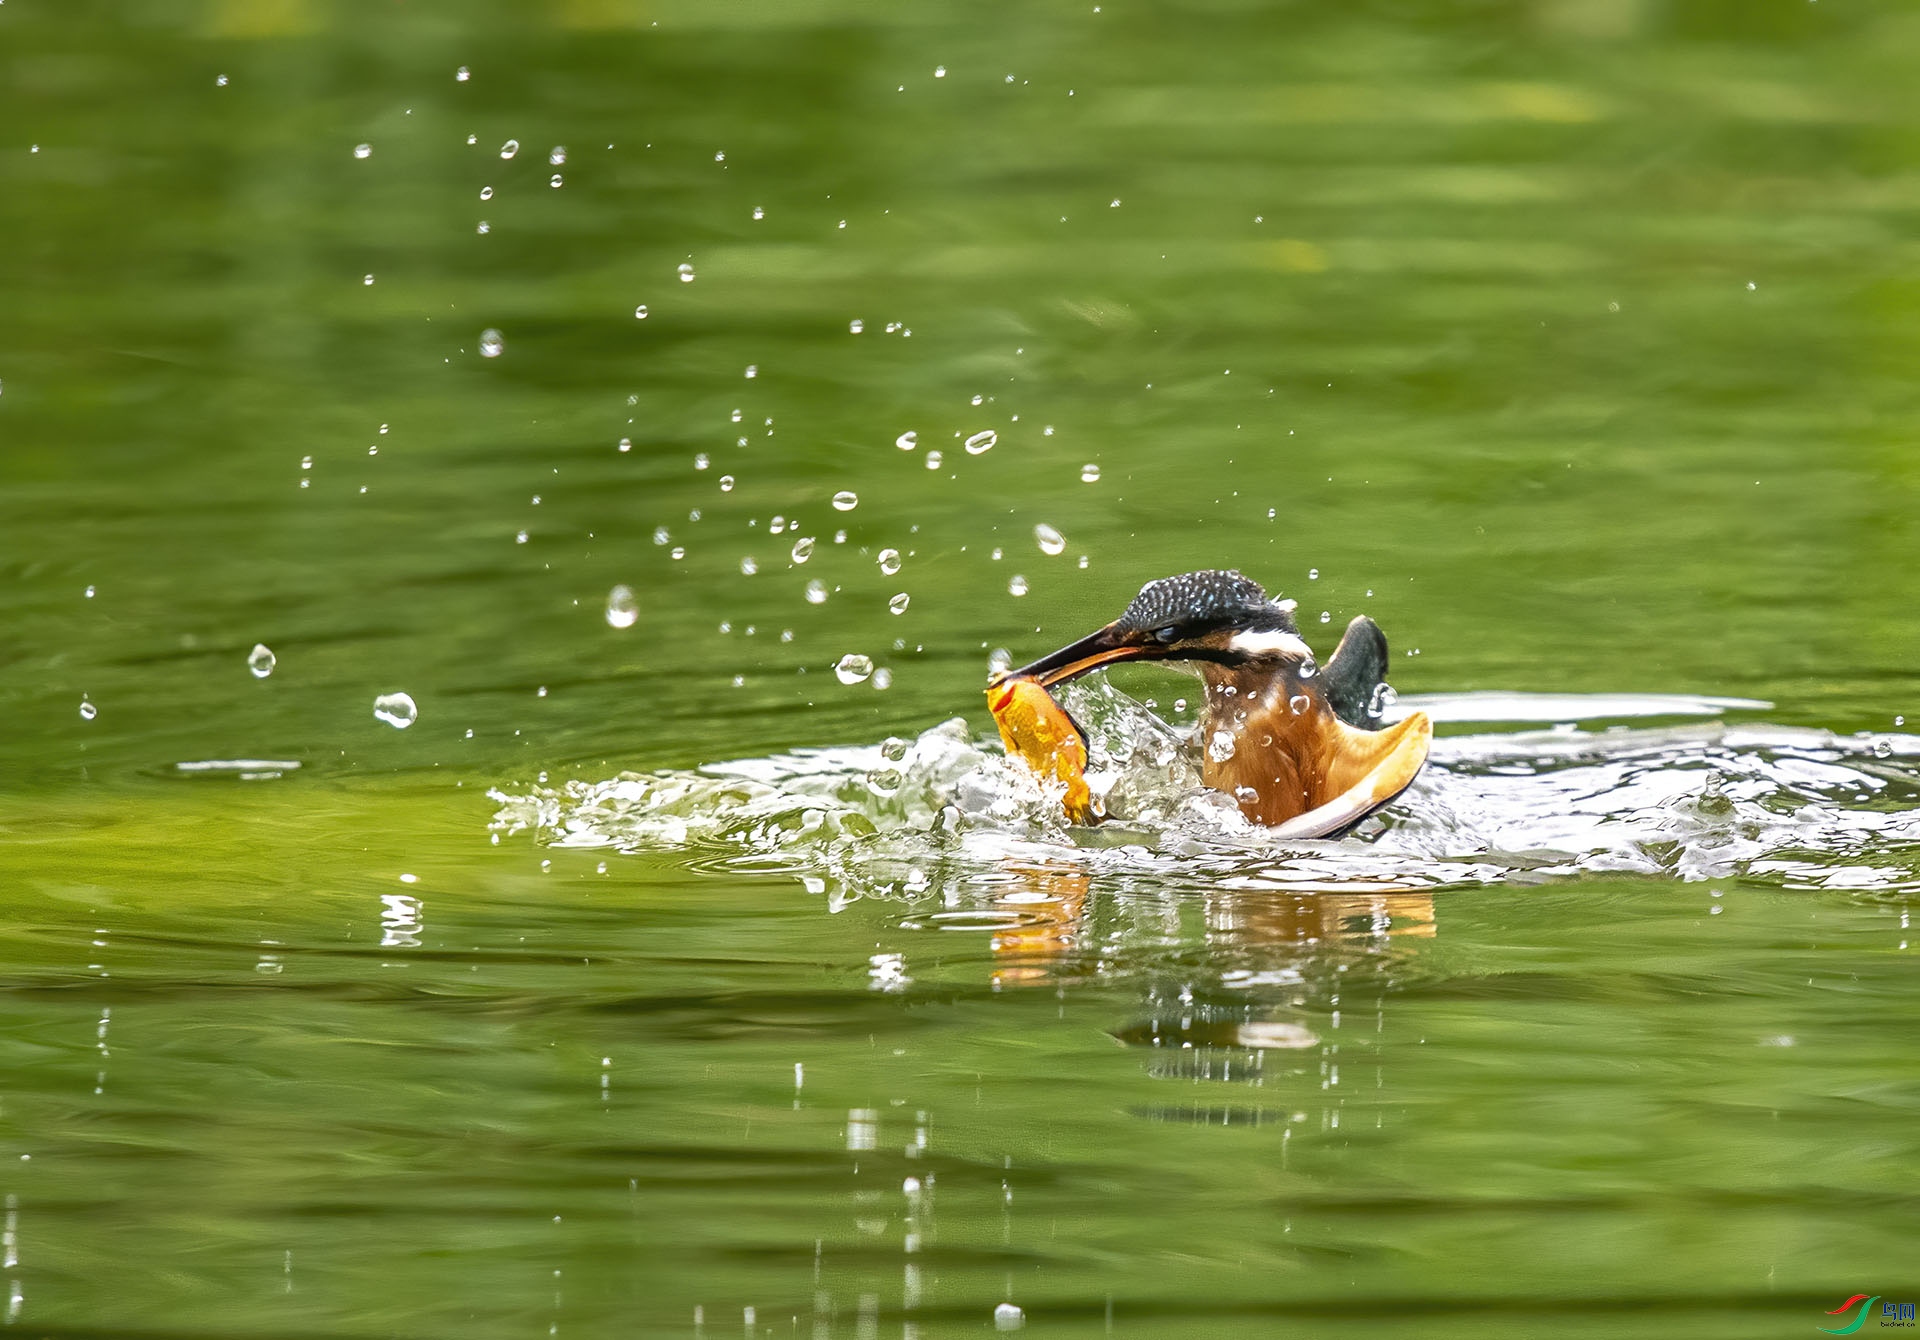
point(1573, 340)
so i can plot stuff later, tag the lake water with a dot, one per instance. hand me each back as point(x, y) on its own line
point(655, 980)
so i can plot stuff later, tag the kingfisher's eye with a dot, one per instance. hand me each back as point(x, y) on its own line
point(1166, 634)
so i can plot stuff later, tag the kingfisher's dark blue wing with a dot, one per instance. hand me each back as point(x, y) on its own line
point(1356, 674)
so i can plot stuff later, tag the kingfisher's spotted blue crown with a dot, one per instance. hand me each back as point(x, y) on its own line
point(1210, 599)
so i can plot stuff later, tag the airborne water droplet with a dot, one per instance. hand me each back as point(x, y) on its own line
point(816, 592)
point(557, 155)
point(1089, 473)
point(981, 441)
point(853, 668)
point(686, 273)
point(492, 344)
point(1018, 585)
point(623, 609)
point(1051, 541)
point(1383, 698)
point(845, 500)
point(1220, 746)
point(1299, 703)
point(510, 148)
point(889, 561)
point(362, 150)
point(640, 312)
point(907, 441)
point(726, 483)
point(899, 603)
point(933, 460)
point(260, 660)
point(749, 565)
point(802, 551)
point(88, 711)
point(883, 678)
point(396, 709)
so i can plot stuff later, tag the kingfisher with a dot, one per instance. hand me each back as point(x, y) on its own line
point(1300, 746)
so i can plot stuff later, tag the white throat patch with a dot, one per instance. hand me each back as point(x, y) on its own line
point(1270, 643)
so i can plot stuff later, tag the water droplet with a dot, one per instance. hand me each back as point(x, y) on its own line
point(853, 668)
point(777, 525)
point(510, 148)
point(363, 151)
point(367, 280)
point(486, 193)
point(759, 213)
point(556, 181)
point(492, 344)
point(1383, 698)
point(1050, 540)
point(1313, 574)
point(1083, 562)
point(1882, 749)
point(816, 592)
point(907, 441)
point(855, 326)
point(87, 710)
point(686, 272)
point(889, 561)
point(1114, 205)
point(1326, 616)
point(677, 553)
point(260, 660)
point(396, 709)
point(749, 566)
point(939, 72)
point(462, 74)
point(845, 500)
point(981, 441)
point(933, 460)
point(753, 370)
point(623, 607)
point(483, 227)
point(306, 462)
point(1220, 746)
point(1017, 585)
point(1309, 668)
point(802, 551)
point(700, 461)
point(899, 603)
point(1089, 473)
point(883, 678)
point(624, 444)
point(220, 81)
point(640, 312)
point(520, 537)
point(1008, 1317)
point(979, 399)
point(999, 660)
point(660, 535)
point(726, 483)
point(557, 155)
point(1898, 721)
point(1299, 703)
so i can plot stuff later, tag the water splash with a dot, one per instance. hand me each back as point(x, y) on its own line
point(396, 709)
point(623, 607)
point(1793, 806)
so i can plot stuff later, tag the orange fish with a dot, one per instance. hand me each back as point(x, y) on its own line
point(1038, 731)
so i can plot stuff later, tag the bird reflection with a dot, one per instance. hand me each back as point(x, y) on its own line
point(1047, 905)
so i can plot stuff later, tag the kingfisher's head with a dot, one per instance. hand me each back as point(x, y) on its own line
point(1214, 617)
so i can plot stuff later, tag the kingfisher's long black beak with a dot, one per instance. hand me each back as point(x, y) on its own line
point(1102, 647)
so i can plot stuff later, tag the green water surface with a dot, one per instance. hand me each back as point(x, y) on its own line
point(1576, 341)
